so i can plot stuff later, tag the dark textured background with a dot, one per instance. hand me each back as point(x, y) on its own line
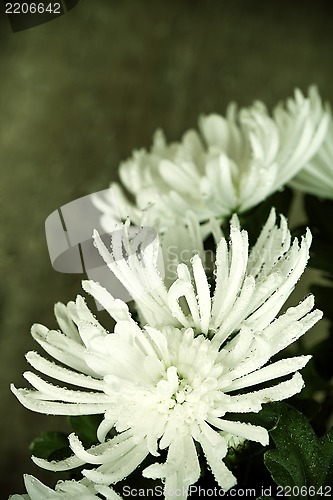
point(79, 93)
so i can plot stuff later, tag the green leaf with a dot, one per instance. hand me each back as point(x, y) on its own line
point(48, 444)
point(327, 447)
point(85, 427)
point(300, 458)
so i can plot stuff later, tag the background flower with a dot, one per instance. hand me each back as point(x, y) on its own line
point(231, 165)
point(316, 177)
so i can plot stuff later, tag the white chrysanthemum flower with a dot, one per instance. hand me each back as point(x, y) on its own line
point(317, 175)
point(234, 163)
point(171, 384)
point(65, 490)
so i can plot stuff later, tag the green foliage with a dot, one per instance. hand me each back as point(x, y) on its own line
point(50, 445)
point(85, 427)
point(296, 457)
point(54, 445)
point(299, 458)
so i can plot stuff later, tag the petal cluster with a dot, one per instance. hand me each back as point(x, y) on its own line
point(251, 286)
point(64, 490)
point(230, 165)
point(317, 175)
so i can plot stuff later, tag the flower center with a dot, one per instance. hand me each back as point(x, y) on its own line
point(184, 398)
point(173, 390)
point(184, 389)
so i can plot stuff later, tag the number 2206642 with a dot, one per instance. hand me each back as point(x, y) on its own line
point(304, 491)
point(32, 8)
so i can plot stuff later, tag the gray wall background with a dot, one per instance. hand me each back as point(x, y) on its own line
point(78, 94)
